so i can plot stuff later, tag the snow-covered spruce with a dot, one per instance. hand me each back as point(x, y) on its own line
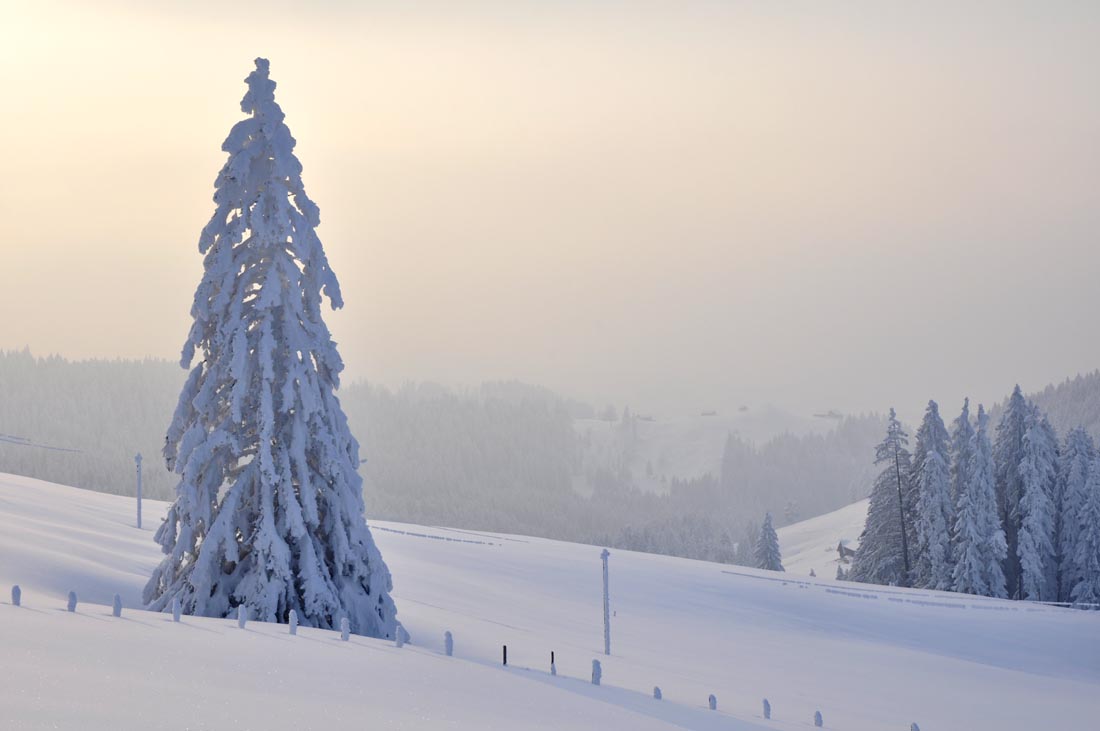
point(1008, 450)
point(1035, 546)
point(767, 709)
point(883, 553)
point(935, 512)
point(818, 720)
point(1074, 466)
point(269, 509)
point(767, 554)
point(980, 547)
point(1087, 588)
point(962, 437)
point(657, 692)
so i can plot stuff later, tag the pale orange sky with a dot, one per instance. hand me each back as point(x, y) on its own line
point(676, 205)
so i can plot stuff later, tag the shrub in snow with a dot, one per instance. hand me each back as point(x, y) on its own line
point(293, 622)
point(449, 644)
point(16, 595)
point(117, 609)
point(242, 616)
point(268, 510)
point(657, 692)
point(818, 721)
point(813, 573)
point(712, 702)
point(345, 629)
point(767, 709)
point(914, 727)
point(597, 672)
point(177, 609)
point(72, 601)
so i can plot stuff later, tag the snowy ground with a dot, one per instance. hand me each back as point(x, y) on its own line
point(812, 543)
point(867, 658)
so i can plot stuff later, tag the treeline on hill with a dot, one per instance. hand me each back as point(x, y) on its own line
point(1012, 512)
point(502, 457)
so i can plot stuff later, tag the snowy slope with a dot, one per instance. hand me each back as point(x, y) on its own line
point(869, 659)
point(811, 544)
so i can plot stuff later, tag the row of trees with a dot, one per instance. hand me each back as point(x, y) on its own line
point(1012, 514)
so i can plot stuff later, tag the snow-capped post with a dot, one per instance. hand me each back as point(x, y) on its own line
point(72, 601)
point(712, 702)
point(606, 606)
point(16, 595)
point(448, 643)
point(177, 609)
point(505, 651)
point(137, 463)
point(268, 511)
point(292, 622)
point(597, 672)
point(657, 692)
point(553, 666)
point(767, 709)
point(345, 629)
point(117, 608)
point(400, 636)
point(818, 721)
point(242, 616)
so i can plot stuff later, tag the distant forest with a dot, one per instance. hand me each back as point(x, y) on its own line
point(501, 457)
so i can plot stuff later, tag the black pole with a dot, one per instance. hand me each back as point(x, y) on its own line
point(506, 654)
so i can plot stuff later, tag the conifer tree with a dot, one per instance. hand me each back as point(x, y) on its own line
point(980, 547)
point(268, 517)
point(934, 511)
point(1087, 588)
point(962, 437)
point(1071, 494)
point(767, 547)
point(1035, 547)
point(1007, 455)
point(883, 554)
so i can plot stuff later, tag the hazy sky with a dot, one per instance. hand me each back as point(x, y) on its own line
point(676, 205)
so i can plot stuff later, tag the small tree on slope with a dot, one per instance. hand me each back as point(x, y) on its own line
point(1087, 588)
point(980, 547)
point(935, 513)
point(767, 547)
point(882, 556)
point(1035, 547)
point(1074, 467)
point(269, 510)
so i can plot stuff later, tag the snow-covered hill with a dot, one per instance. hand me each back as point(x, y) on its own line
point(867, 658)
point(812, 544)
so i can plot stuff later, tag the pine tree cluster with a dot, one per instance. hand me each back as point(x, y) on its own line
point(1012, 514)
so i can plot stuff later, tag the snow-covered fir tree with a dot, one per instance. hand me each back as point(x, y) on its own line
point(980, 547)
point(269, 512)
point(1035, 547)
point(1074, 467)
point(1087, 588)
point(962, 438)
point(883, 553)
point(767, 547)
point(1007, 455)
point(934, 512)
